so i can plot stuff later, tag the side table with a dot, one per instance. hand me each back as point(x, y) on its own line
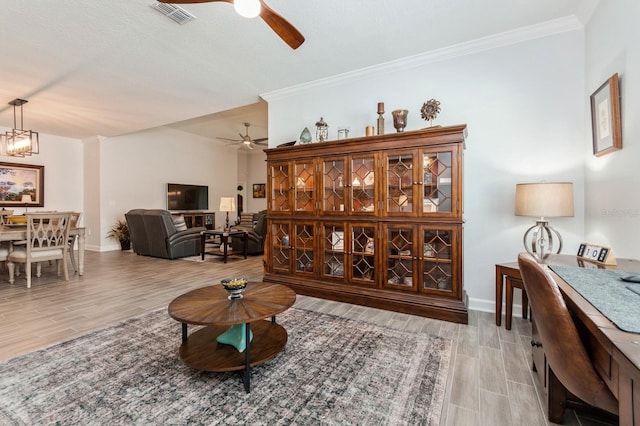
point(210, 236)
point(509, 274)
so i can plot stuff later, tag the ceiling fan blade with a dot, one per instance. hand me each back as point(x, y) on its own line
point(229, 140)
point(287, 32)
point(260, 141)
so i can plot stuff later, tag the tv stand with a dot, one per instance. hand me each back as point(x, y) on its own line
point(194, 219)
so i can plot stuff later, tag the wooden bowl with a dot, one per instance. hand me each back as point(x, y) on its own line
point(18, 220)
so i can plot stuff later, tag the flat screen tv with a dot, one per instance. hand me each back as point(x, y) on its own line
point(187, 197)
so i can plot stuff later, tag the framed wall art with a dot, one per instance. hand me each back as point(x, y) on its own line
point(17, 180)
point(605, 117)
point(259, 190)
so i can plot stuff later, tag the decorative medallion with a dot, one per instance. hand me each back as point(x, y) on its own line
point(430, 110)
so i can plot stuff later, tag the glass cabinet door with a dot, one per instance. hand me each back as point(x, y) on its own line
point(333, 251)
point(280, 186)
point(437, 182)
point(280, 248)
point(400, 183)
point(303, 248)
point(363, 251)
point(333, 186)
point(400, 257)
point(363, 185)
point(304, 189)
point(436, 260)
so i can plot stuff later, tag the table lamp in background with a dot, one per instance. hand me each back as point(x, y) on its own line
point(227, 204)
point(26, 200)
point(543, 200)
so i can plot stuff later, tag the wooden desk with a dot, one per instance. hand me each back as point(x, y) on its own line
point(9, 233)
point(615, 353)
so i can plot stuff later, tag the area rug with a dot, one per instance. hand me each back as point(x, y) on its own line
point(333, 371)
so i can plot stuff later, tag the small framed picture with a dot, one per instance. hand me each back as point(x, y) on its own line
point(259, 190)
point(605, 117)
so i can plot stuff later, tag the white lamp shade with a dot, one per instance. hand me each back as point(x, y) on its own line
point(546, 199)
point(227, 204)
point(26, 199)
point(247, 8)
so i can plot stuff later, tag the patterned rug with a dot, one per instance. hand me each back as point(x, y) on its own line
point(332, 371)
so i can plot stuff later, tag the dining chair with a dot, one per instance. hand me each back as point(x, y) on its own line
point(47, 239)
point(75, 220)
point(4, 216)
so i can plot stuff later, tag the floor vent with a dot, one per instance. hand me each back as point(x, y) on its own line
point(173, 12)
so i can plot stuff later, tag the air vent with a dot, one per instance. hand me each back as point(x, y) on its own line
point(173, 12)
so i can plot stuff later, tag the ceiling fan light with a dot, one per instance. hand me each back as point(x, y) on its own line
point(247, 8)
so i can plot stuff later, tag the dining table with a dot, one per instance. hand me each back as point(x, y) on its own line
point(12, 232)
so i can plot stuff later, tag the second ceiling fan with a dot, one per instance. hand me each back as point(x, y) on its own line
point(246, 139)
point(287, 32)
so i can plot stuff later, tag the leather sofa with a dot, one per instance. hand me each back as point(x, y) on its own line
point(153, 233)
point(255, 234)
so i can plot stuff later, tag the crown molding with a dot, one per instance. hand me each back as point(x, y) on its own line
point(532, 32)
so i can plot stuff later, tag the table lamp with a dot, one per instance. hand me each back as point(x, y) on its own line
point(545, 199)
point(26, 200)
point(227, 204)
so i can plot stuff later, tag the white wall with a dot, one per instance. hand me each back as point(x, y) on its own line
point(135, 170)
point(612, 201)
point(63, 174)
point(523, 104)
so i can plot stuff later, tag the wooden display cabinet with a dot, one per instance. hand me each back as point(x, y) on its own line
point(375, 221)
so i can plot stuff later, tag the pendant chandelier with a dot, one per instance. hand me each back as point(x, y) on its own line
point(19, 142)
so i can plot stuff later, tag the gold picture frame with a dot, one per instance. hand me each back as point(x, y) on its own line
point(605, 117)
point(17, 180)
point(259, 190)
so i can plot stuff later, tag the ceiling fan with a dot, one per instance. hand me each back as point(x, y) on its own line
point(287, 32)
point(246, 139)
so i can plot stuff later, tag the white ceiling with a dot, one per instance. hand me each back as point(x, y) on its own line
point(112, 67)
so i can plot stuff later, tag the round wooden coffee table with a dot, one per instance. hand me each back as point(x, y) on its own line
point(211, 307)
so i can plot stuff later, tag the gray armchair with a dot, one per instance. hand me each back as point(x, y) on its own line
point(255, 235)
point(153, 233)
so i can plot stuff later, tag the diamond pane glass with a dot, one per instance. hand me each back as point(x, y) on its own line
point(437, 182)
point(281, 248)
point(304, 248)
point(400, 257)
point(280, 187)
point(333, 186)
point(437, 249)
point(363, 184)
point(399, 183)
point(304, 187)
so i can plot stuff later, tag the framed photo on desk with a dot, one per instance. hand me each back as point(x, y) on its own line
point(18, 180)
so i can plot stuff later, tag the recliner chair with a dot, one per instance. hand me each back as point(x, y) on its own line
point(255, 235)
point(153, 233)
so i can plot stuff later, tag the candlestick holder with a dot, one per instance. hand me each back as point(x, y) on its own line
point(380, 118)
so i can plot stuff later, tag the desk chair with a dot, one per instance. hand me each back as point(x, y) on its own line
point(47, 239)
point(569, 366)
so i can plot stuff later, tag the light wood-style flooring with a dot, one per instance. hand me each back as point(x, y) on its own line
point(490, 381)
